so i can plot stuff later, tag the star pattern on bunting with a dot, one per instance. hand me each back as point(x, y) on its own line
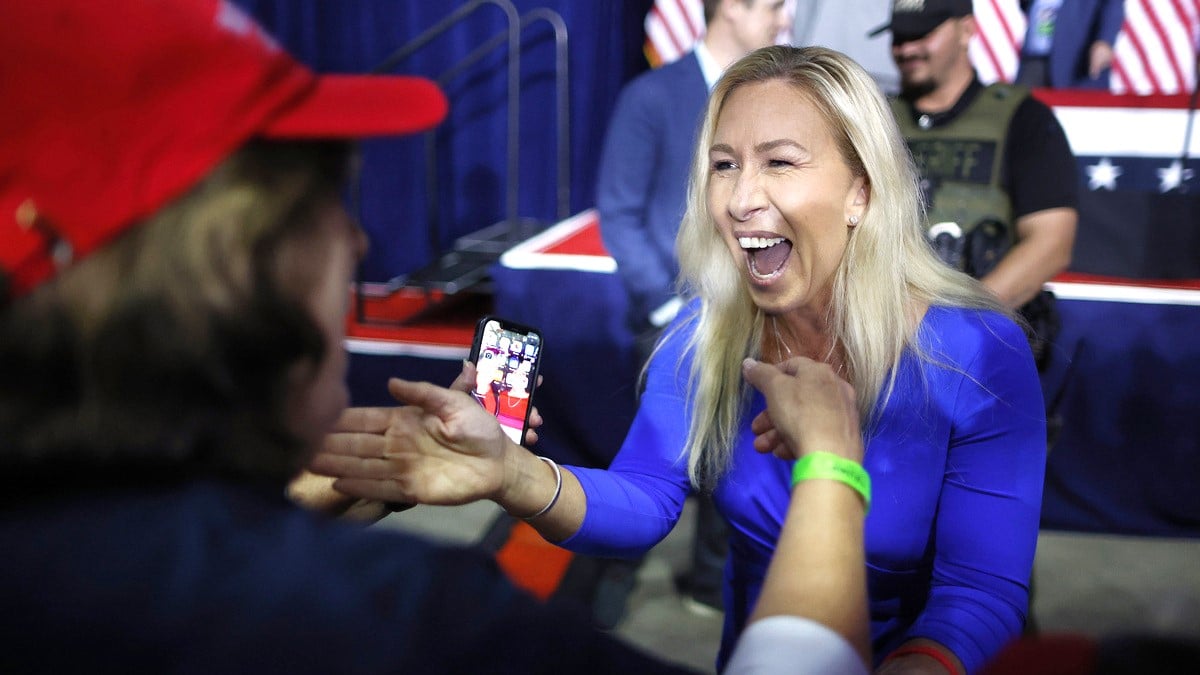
point(1173, 176)
point(1103, 175)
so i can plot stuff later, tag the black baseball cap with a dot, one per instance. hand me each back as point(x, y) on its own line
point(914, 19)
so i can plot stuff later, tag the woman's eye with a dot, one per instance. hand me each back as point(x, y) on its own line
point(778, 163)
point(722, 165)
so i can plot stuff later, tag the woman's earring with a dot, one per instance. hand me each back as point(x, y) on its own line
point(853, 221)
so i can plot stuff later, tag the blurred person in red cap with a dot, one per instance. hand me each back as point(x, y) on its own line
point(174, 273)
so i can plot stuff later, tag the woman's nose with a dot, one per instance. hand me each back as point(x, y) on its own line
point(747, 198)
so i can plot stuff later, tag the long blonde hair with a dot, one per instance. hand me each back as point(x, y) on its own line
point(887, 275)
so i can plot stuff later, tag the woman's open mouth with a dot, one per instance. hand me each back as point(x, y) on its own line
point(765, 256)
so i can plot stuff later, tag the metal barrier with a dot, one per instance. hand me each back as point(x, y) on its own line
point(464, 265)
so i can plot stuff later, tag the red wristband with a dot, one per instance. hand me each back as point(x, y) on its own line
point(935, 654)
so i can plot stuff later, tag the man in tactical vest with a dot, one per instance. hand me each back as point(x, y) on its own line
point(998, 178)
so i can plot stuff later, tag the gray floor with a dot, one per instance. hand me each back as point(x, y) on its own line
point(1092, 584)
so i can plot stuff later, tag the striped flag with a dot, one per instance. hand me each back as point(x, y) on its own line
point(674, 26)
point(996, 48)
point(1155, 51)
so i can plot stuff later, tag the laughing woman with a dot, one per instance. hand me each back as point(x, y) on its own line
point(802, 237)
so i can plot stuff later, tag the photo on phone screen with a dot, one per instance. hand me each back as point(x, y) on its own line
point(506, 357)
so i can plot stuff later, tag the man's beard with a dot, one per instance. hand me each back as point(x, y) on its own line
point(915, 90)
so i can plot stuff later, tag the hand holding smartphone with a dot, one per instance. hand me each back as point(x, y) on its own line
point(507, 356)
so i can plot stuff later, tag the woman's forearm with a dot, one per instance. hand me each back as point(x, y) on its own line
point(531, 484)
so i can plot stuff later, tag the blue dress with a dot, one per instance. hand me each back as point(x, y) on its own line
point(956, 459)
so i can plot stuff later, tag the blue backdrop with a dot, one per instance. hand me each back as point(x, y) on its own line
point(358, 35)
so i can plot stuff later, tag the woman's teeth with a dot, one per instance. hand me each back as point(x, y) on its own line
point(766, 255)
point(759, 242)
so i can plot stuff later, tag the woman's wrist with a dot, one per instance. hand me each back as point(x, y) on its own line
point(530, 483)
point(558, 483)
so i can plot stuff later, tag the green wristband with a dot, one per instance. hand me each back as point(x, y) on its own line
point(831, 466)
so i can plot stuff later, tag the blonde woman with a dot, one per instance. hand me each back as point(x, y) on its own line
point(802, 238)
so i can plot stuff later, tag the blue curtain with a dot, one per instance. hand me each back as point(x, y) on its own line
point(470, 148)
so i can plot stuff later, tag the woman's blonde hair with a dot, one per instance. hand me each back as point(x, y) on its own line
point(887, 275)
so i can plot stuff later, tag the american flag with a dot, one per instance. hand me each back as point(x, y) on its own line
point(672, 27)
point(995, 49)
point(1140, 201)
point(1155, 52)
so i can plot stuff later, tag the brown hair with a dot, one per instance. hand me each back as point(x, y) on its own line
point(171, 347)
point(710, 8)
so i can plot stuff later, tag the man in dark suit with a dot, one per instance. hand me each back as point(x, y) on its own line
point(1069, 43)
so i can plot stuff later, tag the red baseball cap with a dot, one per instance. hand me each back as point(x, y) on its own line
point(109, 110)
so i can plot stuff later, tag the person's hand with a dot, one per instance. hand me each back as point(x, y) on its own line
point(443, 448)
point(1100, 57)
point(809, 409)
point(465, 382)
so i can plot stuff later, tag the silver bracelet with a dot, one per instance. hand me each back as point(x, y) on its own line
point(557, 488)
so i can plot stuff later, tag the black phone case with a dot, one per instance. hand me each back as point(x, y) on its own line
point(535, 368)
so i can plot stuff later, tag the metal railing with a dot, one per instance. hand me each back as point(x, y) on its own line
point(464, 265)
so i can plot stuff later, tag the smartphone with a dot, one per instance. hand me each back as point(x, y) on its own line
point(507, 356)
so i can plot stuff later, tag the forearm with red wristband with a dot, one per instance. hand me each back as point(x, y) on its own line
point(925, 650)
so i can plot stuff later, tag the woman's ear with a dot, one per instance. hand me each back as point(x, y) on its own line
point(859, 198)
point(862, 196)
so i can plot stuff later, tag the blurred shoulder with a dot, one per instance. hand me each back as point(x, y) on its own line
point(1035, 114)
point(680, 74)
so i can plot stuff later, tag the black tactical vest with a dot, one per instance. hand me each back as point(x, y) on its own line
point(969, 215)
point(960, 166)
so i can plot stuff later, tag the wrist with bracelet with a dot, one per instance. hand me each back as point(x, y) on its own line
point(829, 466)
point(558, 481)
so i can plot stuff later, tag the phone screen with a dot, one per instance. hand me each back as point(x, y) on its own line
point(506, 357)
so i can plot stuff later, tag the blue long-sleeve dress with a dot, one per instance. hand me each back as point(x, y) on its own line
point(956, 459)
